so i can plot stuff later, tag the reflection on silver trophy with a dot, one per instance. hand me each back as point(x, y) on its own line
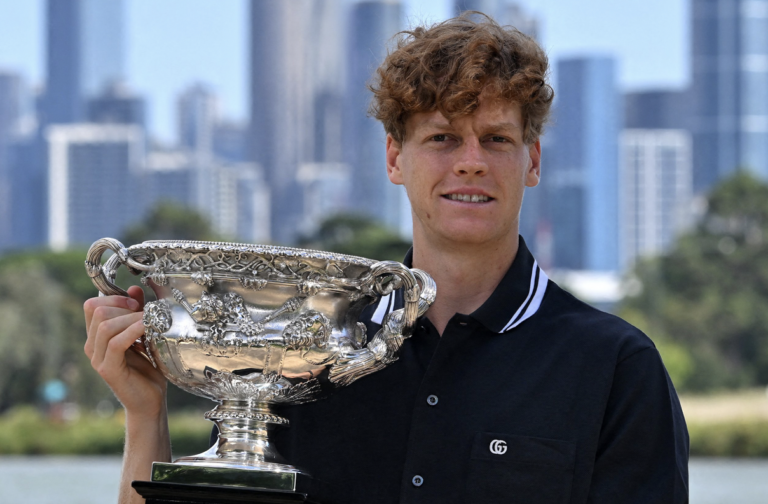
point(252, 326)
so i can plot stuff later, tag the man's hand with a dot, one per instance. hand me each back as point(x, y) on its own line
point(114, 323)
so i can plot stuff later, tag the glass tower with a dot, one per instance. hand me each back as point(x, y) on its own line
point(583, 181)
point(730, 89)
point(84, 54)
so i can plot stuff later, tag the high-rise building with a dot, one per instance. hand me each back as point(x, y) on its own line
point(197, 114)
point(167, 176)
point(657, 109)
point(116, 104)
point(26, 193)
point(296, 67)
point(372, 26)
point(493, 8)
point(84, 53)
point(10, 113)
point(93, 181)
point(582, 183)
point(242, 203)
point(230, 141)
point(656, 190)
point(730, 89)
point(326, 188)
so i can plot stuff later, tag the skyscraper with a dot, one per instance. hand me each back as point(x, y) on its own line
point(92, 181)
point(197, 118)
point(372, 26)
point(84, 53)
point(294, 67)
point(657, 109)
point(656, 189)
point(730, 89)
point(582, 182)
point(10, 113)
point(116, 104)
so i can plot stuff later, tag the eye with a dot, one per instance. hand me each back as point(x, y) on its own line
point(498, 139)
point(440, 138)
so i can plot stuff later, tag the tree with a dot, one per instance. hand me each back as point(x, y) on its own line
point(357, 235)
point(170, 221)
point(706, 299)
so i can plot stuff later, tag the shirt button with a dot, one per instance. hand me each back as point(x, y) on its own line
point(417, 481)
point(432, 400)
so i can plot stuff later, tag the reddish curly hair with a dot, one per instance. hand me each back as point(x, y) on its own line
point(447, 66)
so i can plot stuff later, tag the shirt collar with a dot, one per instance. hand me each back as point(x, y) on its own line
point(517, 297)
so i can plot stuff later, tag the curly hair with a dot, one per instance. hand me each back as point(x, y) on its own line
point(447, 66)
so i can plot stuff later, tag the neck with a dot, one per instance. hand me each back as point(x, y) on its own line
point(465, 275)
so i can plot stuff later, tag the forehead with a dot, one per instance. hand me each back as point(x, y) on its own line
point(490, 114)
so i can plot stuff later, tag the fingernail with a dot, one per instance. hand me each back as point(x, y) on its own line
point(133, 304)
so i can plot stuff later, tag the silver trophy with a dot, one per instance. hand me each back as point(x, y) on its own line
point(252, 326)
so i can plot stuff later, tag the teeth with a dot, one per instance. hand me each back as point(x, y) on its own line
point(474, 198)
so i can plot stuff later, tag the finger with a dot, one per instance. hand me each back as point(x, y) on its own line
point(109, 330)
point(114, 356)
point(99, 315)
point(137, 293)
point(92, 304)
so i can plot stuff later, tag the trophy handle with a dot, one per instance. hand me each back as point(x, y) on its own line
point(103, 277)
point(395, 328)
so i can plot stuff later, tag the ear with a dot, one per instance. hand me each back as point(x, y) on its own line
point(533, 175)
point(394, 149)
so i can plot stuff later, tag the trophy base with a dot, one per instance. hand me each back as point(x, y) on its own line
point(262, 476)
point(177, 493)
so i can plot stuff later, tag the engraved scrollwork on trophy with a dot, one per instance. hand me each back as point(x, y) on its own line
point(157, 321)
point(255, 387)
point(157, 275)
point(253, 282)
point(268, 262)
point(308, 330)
point(203, 278)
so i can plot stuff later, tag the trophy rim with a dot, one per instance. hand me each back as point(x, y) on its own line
point(275, 250)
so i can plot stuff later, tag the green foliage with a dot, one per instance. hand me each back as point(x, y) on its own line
point(170, 221)
point(745, 438)
point(357, 235)
point(704, 301)
point(25, 431)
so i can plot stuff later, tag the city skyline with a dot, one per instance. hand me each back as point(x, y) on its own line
point(169, 48)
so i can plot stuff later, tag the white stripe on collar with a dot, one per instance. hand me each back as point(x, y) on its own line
point(532, 302)
point(384, 307)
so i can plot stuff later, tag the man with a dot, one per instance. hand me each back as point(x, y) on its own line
point(510, 390)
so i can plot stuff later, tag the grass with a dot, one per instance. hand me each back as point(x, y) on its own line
point(25, 431)
point(727, 424)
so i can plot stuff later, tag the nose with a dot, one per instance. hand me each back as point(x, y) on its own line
point(471, 160)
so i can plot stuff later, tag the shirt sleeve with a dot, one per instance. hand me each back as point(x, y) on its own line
point(642, 455)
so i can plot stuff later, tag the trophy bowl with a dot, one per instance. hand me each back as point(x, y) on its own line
point(254, 326)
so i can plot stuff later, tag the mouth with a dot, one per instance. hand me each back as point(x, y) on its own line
point(468, 198)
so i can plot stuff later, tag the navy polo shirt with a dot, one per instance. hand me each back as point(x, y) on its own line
point(535, 397)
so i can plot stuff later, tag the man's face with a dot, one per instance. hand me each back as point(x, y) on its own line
point(465, 179)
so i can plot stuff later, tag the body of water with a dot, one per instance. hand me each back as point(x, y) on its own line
point(94, 480)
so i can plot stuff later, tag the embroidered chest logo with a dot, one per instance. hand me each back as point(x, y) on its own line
point(498, 447)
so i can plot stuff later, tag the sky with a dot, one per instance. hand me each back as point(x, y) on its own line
point(174, 43)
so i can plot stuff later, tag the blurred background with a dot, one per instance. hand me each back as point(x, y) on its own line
point(245, 120)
